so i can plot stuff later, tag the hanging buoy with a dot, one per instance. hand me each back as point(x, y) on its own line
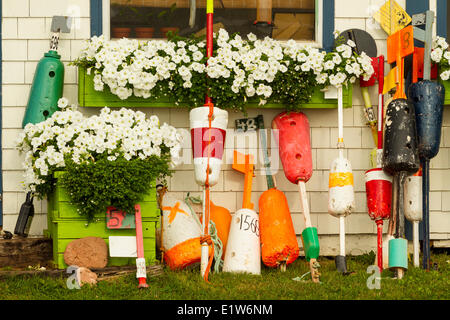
point(48, 81)
point(243, 253)
point(180, 235)
point(379, 201)
point(279, 246)
point(413, 208)
point(200, 134)
point(294, 143)
point(341, 196)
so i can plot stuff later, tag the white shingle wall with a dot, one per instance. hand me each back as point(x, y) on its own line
point(26, 32)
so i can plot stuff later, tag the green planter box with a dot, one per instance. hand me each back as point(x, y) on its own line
point(89, 97)
point(65, 225)
point(446, 85)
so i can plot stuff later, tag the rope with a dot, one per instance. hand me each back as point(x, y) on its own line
point(218, 245)
point(206, 238)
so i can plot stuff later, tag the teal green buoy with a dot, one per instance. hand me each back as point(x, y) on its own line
point(48, 81)
point(46, 90)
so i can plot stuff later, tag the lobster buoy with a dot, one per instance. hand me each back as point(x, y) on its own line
point(180, 234)
point(379, 200)
point(243, 254)
point(413, 208)
point(340, 183)
point(206, 140)
point(221, 218)
point(295, 152)
point(401, 159)
point(278, 239)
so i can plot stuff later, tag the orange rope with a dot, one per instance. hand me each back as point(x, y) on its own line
point(206, 238)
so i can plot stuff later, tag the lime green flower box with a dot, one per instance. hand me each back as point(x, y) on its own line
point(89, 97)
point(64, 225)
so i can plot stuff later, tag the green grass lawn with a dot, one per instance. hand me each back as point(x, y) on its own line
point(271, 285)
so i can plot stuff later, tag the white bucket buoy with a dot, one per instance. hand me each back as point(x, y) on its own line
point(200, 137)
point(180, 235)
point(243, 249)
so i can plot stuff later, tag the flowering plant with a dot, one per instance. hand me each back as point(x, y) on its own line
point(343, 65)
point(240, 71)
point(154, 68)
point(441, 56)
point(109, 159)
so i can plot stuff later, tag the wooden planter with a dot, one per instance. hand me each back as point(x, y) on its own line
point(446, 85)
point(88, 97)
point(65, 224)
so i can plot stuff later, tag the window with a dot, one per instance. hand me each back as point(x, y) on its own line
point(280, 19)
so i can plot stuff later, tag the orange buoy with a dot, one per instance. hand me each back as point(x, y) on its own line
point(278, 240)
point(222, 219)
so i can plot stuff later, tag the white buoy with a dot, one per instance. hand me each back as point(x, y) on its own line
point(413, 208)
point(243, 249)
point(341, 197)
point(201, 135)
point(181, 233)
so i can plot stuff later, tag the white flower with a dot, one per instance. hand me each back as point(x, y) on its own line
point(63, 103)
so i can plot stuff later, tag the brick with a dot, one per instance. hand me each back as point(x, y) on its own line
point(342, 24)
point(37, 48)
point(12, 181)
point(183, 181)
point(439, 222)
point(349, 9)
point(445, 198)
point(16, 8)
point(12, 159)
point(179, 118)
point(327, 224)
point(82, 28)
point(14, 50)
point(320, 138)
point(359, 223)
point(435, 201)
point(359, 158)
point(439, 180)
point(352, 137)
point(12, 117)
point(76, 8)
point(13, 72)
point(326, 156)
point(9, 28)
point(322, 118)
point(76, 46)
point(441, 160)
point(32, 28)
point(226, 200)
point(319, 202)
point(10, 202)
point(15, 95)
point(30, 70)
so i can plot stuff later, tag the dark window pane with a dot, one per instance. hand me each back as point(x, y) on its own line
point(279, 19)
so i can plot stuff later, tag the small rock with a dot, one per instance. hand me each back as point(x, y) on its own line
point(84, 275)
point(89, 252)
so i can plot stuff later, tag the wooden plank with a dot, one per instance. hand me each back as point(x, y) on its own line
point(103, 274)
point(23, 252)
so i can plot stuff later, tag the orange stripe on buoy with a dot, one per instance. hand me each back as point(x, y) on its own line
point(340, 179)
point(184, 254)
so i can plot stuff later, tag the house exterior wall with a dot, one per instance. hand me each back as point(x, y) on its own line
point(25, 38)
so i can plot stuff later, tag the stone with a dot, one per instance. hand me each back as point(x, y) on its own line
point(86, 276)
point(89, 252)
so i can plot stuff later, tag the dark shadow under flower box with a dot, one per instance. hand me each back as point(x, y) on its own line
point(89, 97)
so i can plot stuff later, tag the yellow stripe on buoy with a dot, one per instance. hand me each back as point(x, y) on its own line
point(209, 6)
point(340, 179)
point(390, 81)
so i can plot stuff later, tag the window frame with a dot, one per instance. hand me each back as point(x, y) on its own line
point(104, 15)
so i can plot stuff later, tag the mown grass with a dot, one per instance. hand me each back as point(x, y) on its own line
point(271, 285)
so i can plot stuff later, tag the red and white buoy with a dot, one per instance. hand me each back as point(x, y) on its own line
point(208, 129)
